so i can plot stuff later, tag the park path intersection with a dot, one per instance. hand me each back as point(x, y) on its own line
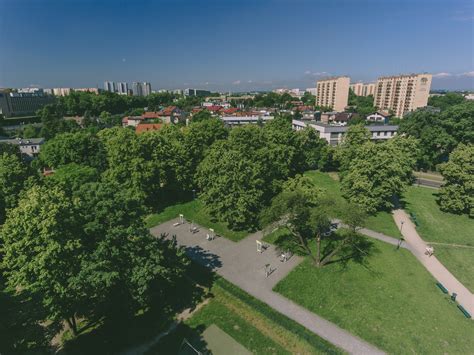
point(241, 264)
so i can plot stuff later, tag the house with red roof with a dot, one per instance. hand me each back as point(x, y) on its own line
point(146, 127)
point(172, 114)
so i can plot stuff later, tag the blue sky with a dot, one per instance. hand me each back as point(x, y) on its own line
point(233, 45)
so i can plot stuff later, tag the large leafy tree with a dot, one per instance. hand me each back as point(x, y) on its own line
point(303, 212)
point(127, 163)
point(379, 173)
point(42, 246)
point(199, 136)
point(457, 194)
point(88, 254)
point(13, 174)
point(232, 185)
point(80, 147)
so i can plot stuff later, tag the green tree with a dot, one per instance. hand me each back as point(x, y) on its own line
point(88, 255)
point(199, 136)
point(446, 101)
point(13, 175)
point(457, 194)
point(29, 131)
point(355, 137)
point(379, 173)
point(41, 249)
point(71, 177)
point(80, 147)
point(202, 116)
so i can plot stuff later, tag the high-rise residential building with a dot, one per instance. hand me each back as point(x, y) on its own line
point(333, 92)
point(141, 89)
point(368, 89)
point(361, 89)
point(146, 89)
point(402, 93)
point(110, 86)
point(137, 89)
point(122, 88)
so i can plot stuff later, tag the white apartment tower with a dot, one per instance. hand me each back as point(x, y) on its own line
point(122, 88)
point(110, 86)
point(333, 92)
point(402, 93)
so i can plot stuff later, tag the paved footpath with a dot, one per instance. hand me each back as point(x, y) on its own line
point(242, 265)
point(431, 263)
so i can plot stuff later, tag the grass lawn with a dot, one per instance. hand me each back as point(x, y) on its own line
point(253, 324)
point(441, 227)
point(382, 222)
point(390, 300)
point(194, 211)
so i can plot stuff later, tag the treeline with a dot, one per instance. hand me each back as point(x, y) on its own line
point(80, 103)
point(440, 133)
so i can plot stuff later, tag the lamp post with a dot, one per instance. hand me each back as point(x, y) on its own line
point(194, 194)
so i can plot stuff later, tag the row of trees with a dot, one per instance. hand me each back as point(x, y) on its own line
point(75, 242)
point(78, 103)
point(240, 175)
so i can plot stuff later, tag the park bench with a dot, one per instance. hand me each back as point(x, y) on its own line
point(441, 287)
point(463, 310)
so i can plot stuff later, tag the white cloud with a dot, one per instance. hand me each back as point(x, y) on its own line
point(314, 74)
point(249, 81)
point(442, 75)
point(237, 82)
point(468, 74)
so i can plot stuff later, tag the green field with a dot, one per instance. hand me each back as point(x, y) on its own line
point(250, 322)
point(194, 211)
point(441, 227)
point(390, 300)
point(382, 222)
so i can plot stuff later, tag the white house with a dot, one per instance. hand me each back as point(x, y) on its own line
point(29, 146)
point(335, 134)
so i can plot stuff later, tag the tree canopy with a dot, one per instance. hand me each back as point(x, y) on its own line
point(457, 194)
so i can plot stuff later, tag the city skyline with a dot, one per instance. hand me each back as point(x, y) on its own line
point(231, 47)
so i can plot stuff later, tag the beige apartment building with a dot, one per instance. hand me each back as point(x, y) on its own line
point(333, 92)
point(361, 89)
point(402, 93)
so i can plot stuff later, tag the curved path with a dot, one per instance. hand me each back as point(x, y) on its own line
point(242, 265)
point(418, 247)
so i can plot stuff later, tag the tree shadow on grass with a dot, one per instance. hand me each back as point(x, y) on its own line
point(358, 250)
point(286, 242)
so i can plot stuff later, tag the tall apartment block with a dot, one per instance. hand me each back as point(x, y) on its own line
point(402, 93)
point(122, 88)
point(110, 86)
point(141, 89)
point(333, 92)
point(361, 89)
